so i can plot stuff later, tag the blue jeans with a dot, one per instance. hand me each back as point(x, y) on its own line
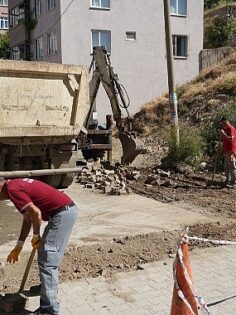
point(230, 167)
point(55, 239)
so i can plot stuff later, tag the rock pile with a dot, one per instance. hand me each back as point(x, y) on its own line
point(112, 180)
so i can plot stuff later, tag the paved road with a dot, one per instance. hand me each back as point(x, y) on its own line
point(149, 291)
point(145, 291)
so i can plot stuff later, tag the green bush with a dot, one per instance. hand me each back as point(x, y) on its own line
point(211, 132)
point(208, 4)
point(190, 147)
point(220, 32)
point(4, 46)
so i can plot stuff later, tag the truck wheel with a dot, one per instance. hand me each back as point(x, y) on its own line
point(52, 180)
point(93, 154)
point(66, 180)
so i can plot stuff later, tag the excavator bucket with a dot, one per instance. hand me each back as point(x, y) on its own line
point(132, 146)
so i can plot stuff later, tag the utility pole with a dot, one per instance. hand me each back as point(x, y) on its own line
point(170, 69)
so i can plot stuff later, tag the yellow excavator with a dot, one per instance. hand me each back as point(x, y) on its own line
point(104, 73)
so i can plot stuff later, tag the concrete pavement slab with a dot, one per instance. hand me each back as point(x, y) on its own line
point(104, 217)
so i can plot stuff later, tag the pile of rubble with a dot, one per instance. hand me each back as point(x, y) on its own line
point(112, 180)
point(158, 177)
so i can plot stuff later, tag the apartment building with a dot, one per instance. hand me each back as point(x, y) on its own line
point(64, 31)
point(3, 16)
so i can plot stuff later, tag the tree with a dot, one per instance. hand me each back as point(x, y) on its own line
point(208, 4)
point(4, 46)
point(220, 32)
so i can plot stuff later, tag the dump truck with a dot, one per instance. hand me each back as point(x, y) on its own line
point(45, 109)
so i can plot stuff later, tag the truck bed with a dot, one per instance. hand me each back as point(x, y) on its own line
point(39, 99)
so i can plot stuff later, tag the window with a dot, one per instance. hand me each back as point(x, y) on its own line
point(101, 38)
point(180, 46)
point(130, 35)
point(15, 53)
point(37, 8)
point(18, 52)
point(39, 48)
point(100, 4)
point(178, 7)
point(3, 23)
point(51, 4)
point(16, 15)
point(13, 17)
point(21, 12)
point(4, 3)
point(52, 43)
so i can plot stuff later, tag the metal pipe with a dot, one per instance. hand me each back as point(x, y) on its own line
point(15, 174)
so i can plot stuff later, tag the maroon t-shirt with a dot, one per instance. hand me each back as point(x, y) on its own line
point(228, 144)
point(26, 191)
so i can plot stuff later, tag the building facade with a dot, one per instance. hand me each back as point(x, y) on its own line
point(64, 31)
point(3, 16)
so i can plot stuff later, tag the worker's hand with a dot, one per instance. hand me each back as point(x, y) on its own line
point(36, 241)
point(222, 133)
point(13, 256)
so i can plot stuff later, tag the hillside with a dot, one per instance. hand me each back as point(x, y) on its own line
point(213, 89)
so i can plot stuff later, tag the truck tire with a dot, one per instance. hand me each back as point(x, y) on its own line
point(52, 180)
point(93, 154)
point(66, 180)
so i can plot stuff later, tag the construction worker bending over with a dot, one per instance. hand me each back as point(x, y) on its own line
point(38, 201)
point(228, 136)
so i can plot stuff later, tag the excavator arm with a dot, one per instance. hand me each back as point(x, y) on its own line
point(103, 73)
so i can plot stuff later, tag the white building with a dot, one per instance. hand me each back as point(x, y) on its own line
point(132, 30)
point(3, 16)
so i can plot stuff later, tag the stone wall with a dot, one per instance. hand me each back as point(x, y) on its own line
point(210, 56)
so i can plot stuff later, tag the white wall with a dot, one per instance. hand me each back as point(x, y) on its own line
point(141, 65)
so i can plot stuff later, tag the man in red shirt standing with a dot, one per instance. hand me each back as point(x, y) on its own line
point(38, 201)
point(228, 136)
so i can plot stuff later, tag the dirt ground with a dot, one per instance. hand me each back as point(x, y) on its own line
point(131, 253)
point(120, 255)
point(188, 188)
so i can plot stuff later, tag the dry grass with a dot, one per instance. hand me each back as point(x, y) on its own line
point(213, 102)
point(225, 84)
point(231, 60)
point(218, 79)
point(192, 91)
point(210, 73)
point(151, 106)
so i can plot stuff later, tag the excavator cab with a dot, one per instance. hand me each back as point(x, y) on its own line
point(104, 73)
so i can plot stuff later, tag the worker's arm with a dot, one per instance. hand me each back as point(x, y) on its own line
point(31, 216)
point(36, 220)
point(225, 136)
point(35, 217)
point(25, 228)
